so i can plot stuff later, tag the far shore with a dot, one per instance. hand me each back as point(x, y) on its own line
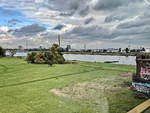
point(107, 53)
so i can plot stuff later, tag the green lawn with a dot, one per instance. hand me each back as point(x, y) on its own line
point(147, 110)
point(25, 88)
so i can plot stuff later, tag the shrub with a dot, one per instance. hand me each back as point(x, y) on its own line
point(2, 52)
point(57, 55)
point(31, 57)
point(54, 56)
point(40, 58)
point(48, 58)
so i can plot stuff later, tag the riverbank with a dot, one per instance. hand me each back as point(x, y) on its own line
point(128, 60)
point(107, 53)
point(81, 87)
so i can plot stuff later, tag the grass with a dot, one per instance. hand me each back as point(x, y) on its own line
point(25, 88)
point(109, 53)
point(147, 111)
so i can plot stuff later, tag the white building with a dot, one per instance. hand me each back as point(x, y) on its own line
point(147, 50)
point(112, 50)
point(73, 50)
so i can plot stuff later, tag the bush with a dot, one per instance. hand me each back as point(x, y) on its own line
point(57, 55)
point(40, 58)
point(54, 56)
point(48, 58)
point(31, 57)
point(2, 52)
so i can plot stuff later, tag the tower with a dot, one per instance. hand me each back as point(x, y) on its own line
point(84, 46)
point(59, 40)
point(26, 44)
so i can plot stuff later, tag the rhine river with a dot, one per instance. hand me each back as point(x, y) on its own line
point(129, 60)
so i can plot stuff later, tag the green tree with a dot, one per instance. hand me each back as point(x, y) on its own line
point(57, 55)
point(40, 58)
point(31, 57)
point(49, 58)
point(119, 49)
point(2, 52)
point(53, 56)
point(127, 50)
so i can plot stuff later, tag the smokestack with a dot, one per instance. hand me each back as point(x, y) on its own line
point(26, 44)
point(59, 40)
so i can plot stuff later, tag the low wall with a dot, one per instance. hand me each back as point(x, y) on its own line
point(141, 80)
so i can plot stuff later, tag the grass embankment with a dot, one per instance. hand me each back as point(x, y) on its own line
point(107, 53)
point(88, 88)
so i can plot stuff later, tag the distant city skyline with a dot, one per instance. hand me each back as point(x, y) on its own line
point(80, 23)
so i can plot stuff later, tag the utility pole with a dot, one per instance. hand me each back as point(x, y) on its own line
point(26, 44)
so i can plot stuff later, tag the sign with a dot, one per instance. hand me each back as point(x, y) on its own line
point(145, 73)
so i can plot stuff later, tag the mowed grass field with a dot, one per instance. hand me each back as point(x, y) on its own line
point(88, 88)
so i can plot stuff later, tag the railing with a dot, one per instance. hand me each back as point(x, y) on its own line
point(141, 108)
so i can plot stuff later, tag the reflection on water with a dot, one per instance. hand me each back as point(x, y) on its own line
point(95, 58)
point(21, 54)
point(17, 54)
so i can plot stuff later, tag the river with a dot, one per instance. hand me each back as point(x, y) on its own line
point(129, 60)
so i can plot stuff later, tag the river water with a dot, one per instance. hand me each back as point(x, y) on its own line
point(130, 60)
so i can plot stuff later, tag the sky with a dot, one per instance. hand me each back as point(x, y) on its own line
point(96, 23)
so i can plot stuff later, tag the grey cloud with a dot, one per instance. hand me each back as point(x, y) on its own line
point(49, 35)
point(89, 20)
point(129, 25)
point(84, 12)
point(59, 27)
point(100, 33)
point(13, 22)
point(114, 18)
point(90, 32)
point(134, 24)
point(30, 30)
point(74, 5)
point(107, 4)
point(93, 29)
point(65, 14)
point(70, 7)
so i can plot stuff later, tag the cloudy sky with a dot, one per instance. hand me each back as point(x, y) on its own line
point(96, 23)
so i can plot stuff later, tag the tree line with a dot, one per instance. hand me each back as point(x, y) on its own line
point(2, 52)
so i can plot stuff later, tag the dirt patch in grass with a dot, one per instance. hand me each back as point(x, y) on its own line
point(126, 75)
point(97, 87)
point(126, 79)
point(78, 90)
point(103, 94)
point(89, 93)
point(58, 93)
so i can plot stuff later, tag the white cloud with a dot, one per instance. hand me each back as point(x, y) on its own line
point(109, 21)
